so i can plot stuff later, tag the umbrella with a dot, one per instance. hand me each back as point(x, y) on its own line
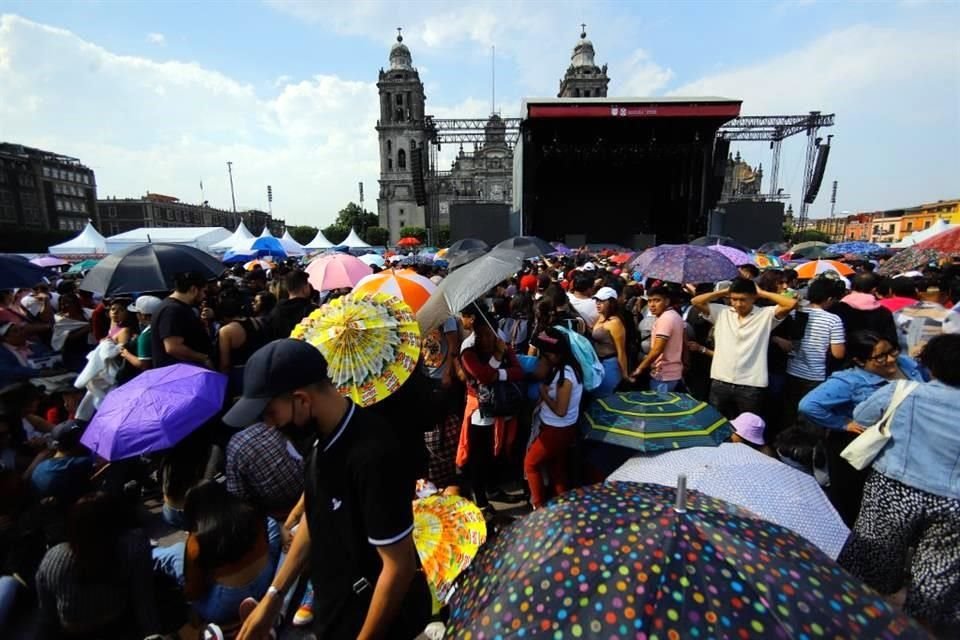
point(621, 258)
point(814, 268)
point(773, 247)
point(441, 254)
point(373, 260)
point(148, 267)
point(561, 249)
point(409, 241)
point(154, 411)
point(909, 259)
point(336, 271)
point(530, 246)
point(813, 253)
point(371, 342)
point(947, 242)
point(83, 265)
point(651, 421)
point(463, 251)
point(49, 261)
point(766, 261)
point(855, 247)
point(735, 256)
point(800, 246)
point(618, 560)
point(727, 241)
point(264, 264)
point(409, 286)
point(468, 283)
point(447, 532)
point(739, 474)
point(420, 258)
point(268, 246)
point(682, 263)
point(16, 273)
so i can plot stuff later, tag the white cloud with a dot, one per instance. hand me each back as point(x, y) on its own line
point(157, 38)
point(642, 76)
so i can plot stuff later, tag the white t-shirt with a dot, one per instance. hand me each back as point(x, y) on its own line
point(809, 359)
point(573, 408)
point(740, 345)
point(586, 307)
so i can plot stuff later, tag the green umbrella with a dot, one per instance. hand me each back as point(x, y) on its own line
point(650, 421)
point(83, 265)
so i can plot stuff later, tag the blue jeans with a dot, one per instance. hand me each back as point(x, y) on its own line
point(611, 377)
point(173, 517)
point(663, 386)
point(9, 588)
point(221, 604)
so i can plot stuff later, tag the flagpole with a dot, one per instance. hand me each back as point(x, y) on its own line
point(202, 199)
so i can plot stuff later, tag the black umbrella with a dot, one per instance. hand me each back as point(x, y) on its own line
point(727, 241)
point(17, 272)
point(463, 251)
point(148, 267)
point(529, 246)
point(774, 248)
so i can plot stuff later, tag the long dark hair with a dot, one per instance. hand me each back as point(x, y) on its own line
point(631, 333)
point(94, 526)
point(226, 527)
point(552, 340)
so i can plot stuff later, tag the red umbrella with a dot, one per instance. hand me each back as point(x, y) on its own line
point(947, 242)
point(409, 241)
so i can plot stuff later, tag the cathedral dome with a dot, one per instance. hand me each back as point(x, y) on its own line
point(400, 57)
point(583, 52)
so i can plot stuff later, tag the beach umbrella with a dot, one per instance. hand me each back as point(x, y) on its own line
point(735, 256)
point(148, 267)
point(908, 259)
point(463, 251)
point(448, 531)
point(727, 241)
point(17, 273)
point(773, 247)
point(746, 477)
point(371, 342)
point(766, 261)
point(812, 269)
point(408, 241)
point(466, 284)
point(154, 411)
point(373, 260)
point(407, 285)
point(651, 421)
point(855, 247)
point(83, 265)
point(264, 264)
point(683, 263)
point(620, 560)
point(336, 271)
point(48, 262)
point(947, 242)
point(529, 246)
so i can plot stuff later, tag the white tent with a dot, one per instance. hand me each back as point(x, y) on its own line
point(936, 228)
point(319, 242)
point(198, 237)
point(88, 243)
point(265, 233)
point(291, 246)
point(354, 242)
point(241, 234)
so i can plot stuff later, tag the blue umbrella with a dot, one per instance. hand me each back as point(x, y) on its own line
point(269, 247)
point(17, 272)
point(233, 258)
point(154, 411)
point(855, 247)
point(683, 263)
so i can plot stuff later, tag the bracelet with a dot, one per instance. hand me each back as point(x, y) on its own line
point(273, 591)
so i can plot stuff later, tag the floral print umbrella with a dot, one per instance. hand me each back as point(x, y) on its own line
point(618, 560)
point(735, 256)
point(909, 259)
point(683, 263)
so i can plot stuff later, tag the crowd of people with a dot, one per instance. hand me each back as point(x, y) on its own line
point(296, 503)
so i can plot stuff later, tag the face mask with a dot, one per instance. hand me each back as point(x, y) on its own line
point(302, 436)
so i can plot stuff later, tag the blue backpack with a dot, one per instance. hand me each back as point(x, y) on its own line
point(586, 356)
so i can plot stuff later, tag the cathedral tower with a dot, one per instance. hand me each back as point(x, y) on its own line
point(584, 79)
point(400, 130)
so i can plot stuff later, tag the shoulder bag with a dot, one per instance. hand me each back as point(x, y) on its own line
point(868, 445)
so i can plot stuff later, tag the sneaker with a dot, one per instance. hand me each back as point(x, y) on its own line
point(213, 632)
point(304, 614)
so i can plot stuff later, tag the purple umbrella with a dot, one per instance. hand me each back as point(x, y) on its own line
point(683, 263)
point(562, 249)
point(735, 256)
point(49, 261)
point(154, 411)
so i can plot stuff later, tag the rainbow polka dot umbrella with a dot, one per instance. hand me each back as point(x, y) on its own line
point(619, 560)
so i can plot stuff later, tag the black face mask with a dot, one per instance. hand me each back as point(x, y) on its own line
point(302, 436)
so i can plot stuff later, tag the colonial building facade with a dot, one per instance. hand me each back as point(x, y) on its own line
point(157, 210)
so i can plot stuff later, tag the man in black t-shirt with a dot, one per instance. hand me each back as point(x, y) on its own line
point(295, 308)
point(178, 334)
point(356, 537)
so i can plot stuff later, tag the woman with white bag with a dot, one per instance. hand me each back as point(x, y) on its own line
point(912, 495)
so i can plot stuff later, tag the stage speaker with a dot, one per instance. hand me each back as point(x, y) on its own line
point(823, 151)
point(416, 165)
point(721, 153)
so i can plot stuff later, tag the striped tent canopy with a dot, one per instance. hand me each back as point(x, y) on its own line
point(650, 421)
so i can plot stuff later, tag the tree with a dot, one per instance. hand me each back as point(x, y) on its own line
point(377, 236)
point(303, 234)
point(353, 217)
point(443, 236)
point(336, 233)
point(417, 232)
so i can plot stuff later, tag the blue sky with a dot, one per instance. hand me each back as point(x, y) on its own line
point(159, 95)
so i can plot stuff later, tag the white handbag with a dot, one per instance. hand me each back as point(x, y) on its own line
point(868, 445)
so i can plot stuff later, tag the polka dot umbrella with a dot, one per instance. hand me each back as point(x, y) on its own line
point(619, 560)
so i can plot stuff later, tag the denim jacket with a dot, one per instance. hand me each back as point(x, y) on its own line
point(924, 447)
point(831, 404)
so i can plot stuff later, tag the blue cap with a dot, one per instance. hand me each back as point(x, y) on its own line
point(276, 368)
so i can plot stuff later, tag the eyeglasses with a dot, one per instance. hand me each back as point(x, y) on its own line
point(882, 357)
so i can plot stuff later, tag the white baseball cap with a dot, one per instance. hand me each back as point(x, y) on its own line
point(147, 305)
point(588, 266)
point(605, 293)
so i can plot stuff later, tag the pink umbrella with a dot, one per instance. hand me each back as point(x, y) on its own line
point(336, 271)
point(49, 261)
point(735, 256)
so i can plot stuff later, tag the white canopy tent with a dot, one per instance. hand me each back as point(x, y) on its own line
point(291, 246)
point(88, 243)
point(198, 237)
point(266, 233)
point(319, 242)
point(353, 241)
point(239, 235)
point(936, 228)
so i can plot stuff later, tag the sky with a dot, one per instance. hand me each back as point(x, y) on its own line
point(158, 96)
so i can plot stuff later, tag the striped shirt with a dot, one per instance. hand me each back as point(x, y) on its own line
point(809, 357)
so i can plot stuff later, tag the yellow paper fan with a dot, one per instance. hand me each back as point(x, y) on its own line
point(448, 532)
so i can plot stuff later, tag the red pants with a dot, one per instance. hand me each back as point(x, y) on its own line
point(550, 448)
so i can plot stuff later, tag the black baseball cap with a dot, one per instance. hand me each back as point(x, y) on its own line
point(276, 368)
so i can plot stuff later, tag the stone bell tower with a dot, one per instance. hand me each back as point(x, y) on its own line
point(584, 79)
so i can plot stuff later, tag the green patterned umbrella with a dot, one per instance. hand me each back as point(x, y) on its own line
point(650, 421)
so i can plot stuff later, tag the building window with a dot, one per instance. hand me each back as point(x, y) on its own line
point(401, 159)
point(46, 172)
point(389, 164)
point(399, 99)
point(413, 146)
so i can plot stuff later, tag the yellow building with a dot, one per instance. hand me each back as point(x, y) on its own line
point(946, 210)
